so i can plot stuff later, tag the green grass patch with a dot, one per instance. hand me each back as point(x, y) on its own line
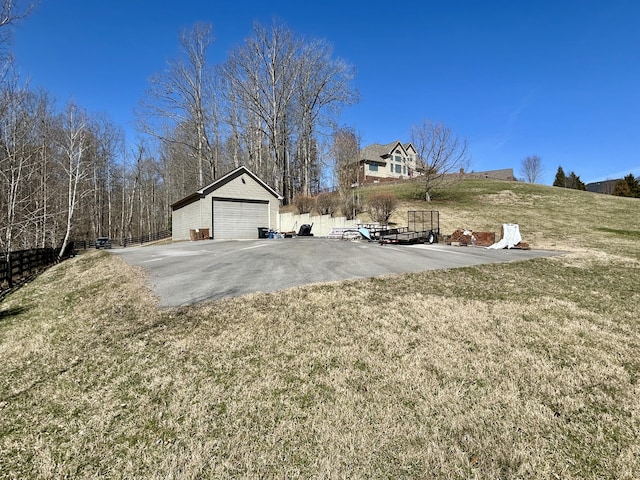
point(634, 234)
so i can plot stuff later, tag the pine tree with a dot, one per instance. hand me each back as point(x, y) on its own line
point(573, 181)
point(634, 185)
point(561, 178)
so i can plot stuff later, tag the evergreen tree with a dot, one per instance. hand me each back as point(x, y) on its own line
point(561, 178)
point(634, 185)
point(573, 181)
point(622, 189)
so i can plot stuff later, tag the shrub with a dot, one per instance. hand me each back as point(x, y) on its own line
point(381, 205)
point(350, 206)
point(326, 204)
point(303, 203)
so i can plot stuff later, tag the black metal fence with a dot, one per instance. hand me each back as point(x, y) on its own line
point(22, 264)
point(126, 242)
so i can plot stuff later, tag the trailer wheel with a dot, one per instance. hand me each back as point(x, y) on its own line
point(431, 238)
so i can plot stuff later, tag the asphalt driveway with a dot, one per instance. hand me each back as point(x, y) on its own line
point(187, 273)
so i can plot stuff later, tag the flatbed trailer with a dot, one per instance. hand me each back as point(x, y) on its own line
point(423, 226)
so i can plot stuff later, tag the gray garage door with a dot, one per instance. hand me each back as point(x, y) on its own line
point(234, 219)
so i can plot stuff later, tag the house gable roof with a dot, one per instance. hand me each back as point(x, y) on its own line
point(379, 153)
point(203, 192)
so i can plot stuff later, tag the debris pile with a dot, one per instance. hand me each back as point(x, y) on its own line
point(462, 238)
point(509, 234)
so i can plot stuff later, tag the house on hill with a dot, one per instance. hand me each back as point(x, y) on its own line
point(392, 161)
point(397, 161)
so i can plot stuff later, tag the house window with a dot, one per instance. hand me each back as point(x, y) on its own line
point(391, 167)
point(398, 168)
point(404, 170)
point(398, 158)
point(373, 167)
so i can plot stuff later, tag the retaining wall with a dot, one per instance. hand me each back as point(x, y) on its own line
point(322, 224)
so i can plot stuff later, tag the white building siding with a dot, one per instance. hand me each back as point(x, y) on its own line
point(187, 218)
point(238, 185)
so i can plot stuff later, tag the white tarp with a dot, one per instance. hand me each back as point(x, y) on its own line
point(510, 236)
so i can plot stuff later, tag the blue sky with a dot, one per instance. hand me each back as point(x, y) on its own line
point(558, 79)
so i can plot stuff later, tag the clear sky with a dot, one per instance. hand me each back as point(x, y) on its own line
point(555, 78)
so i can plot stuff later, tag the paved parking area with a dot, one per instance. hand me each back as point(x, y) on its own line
point(187, 273)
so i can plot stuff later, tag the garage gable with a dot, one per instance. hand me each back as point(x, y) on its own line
point(240, 183)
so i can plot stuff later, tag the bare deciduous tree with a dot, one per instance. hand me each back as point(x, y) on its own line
point(17, 158)
point(10, 12)
point(323, 90)
point(107, 143)
point(440, 152)
point(531, 168)
point(262, 75)
point(179, 106)
point(282, 93)
point(74, 143)
point(13, 10)
point(345, 149)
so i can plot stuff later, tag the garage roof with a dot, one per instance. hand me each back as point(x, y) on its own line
point(203, 192)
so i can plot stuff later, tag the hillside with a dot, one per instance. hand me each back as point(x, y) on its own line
point(549, 217)
point(520, 370)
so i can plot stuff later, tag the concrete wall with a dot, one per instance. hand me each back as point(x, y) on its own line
point(322, 224)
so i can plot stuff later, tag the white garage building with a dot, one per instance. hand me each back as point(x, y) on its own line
point(233, 207)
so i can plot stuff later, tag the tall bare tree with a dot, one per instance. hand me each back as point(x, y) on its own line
point(531, 168)
point(262, 74)
point(345, 149)
point(282, 93)
point(179, 106)
point(440, 152)
point(324, 88)
point(17, 159)
point(44, 120)
point(73, 144)
point(106, 146)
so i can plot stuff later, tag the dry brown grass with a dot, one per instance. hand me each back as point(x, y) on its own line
point(523, 370)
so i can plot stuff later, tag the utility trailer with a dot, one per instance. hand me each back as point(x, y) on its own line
point(423, 226)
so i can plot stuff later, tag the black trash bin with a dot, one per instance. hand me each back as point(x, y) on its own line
point(305, 231)
point(263, 232)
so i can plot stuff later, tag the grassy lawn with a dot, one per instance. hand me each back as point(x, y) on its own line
point(520, 370)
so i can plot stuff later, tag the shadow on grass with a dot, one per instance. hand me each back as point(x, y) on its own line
point(10, 312)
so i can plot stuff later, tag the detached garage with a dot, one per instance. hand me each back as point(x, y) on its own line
point(233, 207)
